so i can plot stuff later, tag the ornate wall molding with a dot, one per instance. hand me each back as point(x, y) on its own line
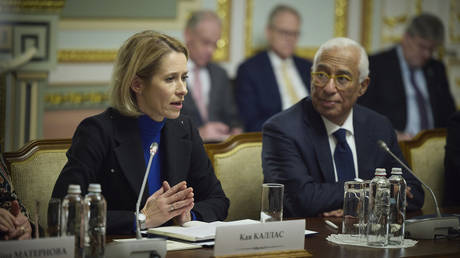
point(108, 55)
point(454, 22)
point(86, 56)
point(53, 6)
point(341, 16)
point(224, 8)
point(366, 24)
point(76, 99)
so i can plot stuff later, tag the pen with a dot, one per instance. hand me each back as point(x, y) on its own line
point(331, 224)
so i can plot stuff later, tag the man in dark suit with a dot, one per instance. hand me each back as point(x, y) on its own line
point(211, 102)
point(408, 85)
point(302, 146)
point(452, 163)
point(273, 80)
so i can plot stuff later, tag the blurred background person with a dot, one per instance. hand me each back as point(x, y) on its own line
point(408, 85)
point(112, 148)
point(211, 102)
point(274, 79)
point(14, 219)
point(452, 162)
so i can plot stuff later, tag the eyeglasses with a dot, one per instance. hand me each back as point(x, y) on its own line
point(285, 33)
point(342, 81)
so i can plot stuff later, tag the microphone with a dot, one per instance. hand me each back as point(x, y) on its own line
point(153, 151)
point(427, 228)
point(138, 247)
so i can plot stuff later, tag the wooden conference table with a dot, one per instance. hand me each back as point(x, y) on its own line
point(318, 246)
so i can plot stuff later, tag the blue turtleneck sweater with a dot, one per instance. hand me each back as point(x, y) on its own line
point(151, 132)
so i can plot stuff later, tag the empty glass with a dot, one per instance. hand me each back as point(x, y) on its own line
point(272, 202)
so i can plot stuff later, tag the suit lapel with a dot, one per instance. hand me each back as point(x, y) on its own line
point(304, 73)
point(269, 80)
point(320, 141)
point(365, 151)
point(129, 152)
point(213, 92)
point(175, 147)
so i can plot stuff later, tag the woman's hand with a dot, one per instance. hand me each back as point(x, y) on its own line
point(184, 216)
point(16, 225)
point(167, 203)
point(6, 223)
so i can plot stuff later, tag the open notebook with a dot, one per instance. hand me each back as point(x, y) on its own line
point(196, 230)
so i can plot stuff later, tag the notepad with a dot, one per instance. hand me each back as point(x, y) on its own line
point(195, 232)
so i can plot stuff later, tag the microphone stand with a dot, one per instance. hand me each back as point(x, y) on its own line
point(427, 228)
point(153, 151)
point(139, 247)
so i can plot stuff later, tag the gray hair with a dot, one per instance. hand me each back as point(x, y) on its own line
point(426, 26)
point(199, 16)
point(343, 43)
point(280, 9)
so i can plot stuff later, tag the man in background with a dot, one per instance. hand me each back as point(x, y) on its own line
point(321, 142)
point(408, 85)
point(452, 162)
point(210, 101)
point(275, 79)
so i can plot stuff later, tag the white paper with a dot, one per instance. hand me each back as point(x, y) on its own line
point(203, 231)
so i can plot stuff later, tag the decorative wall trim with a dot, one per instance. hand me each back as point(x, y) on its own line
point(222, 53)
point(8, 6)
point(248, 51)
point(341, 18)
point(366, 24)
point(418, 7)
point(224, 8)
point(76, 99)
point(340, 29)
point(453, 20)
point(86, 56)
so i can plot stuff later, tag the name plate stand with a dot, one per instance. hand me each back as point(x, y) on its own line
point(271, 239)
point(55, 247)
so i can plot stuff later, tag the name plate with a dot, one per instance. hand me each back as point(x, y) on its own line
point(261, 237)
point(56, 247)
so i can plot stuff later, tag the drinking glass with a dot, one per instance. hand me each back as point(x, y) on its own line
point(54, 218)
point(272, 202)
point(352, 208)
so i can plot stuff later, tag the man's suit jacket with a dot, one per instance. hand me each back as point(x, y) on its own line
point(257, 93)
point(452, 162)
point(221, 106)
point(107, 149)
point(296, 153)
point(386, 93)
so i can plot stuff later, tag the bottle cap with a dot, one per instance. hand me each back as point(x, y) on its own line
point(380, 172)
point(396, 171)
point(95, 188)
point(74, 189)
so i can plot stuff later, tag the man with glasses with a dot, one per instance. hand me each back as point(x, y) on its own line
point(211, 102)
point(408, 85)
point(276, 79)
point(324, 140)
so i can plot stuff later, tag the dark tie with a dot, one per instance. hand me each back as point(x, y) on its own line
point(343, 157)
point(423, 113)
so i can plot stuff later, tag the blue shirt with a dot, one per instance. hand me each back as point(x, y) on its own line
point(151, 132)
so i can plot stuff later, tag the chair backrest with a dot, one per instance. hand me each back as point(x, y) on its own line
point(425, 155)
point(34, 170)
point(238, 165)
